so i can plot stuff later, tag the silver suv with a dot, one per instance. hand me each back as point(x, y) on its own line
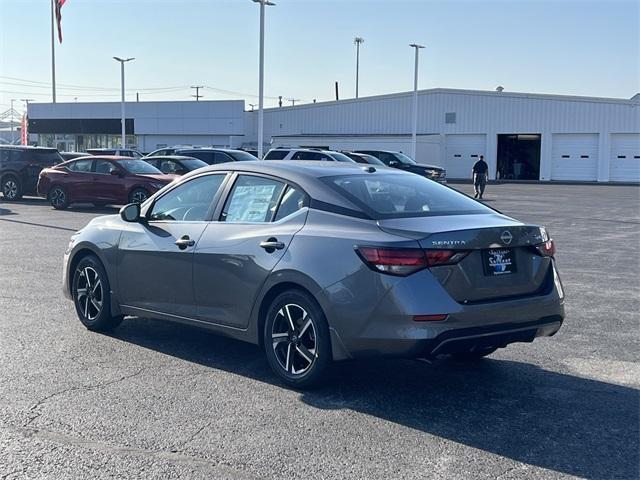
point(306, 154)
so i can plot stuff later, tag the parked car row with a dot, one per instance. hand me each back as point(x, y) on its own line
point(117, 176)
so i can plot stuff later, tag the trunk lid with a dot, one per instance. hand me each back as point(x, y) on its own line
point(494, 242)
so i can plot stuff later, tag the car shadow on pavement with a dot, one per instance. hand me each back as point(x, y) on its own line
point(547, 419)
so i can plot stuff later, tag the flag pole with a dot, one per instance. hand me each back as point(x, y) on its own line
point(53, 54)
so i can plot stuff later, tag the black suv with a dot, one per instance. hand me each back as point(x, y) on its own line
point(401, 161)
point(20, 168)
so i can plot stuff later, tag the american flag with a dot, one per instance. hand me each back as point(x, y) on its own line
point(58, 6)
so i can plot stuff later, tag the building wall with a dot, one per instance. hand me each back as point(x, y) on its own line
point(476, 112)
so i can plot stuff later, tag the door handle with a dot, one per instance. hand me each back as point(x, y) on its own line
point(185, 242)
point(271, 245)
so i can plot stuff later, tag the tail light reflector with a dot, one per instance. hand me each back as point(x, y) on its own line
point(430, 318)
point(405, 261)
point(547, 249)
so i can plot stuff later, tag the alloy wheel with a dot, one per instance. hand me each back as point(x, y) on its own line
point(58, 197)
point(10, 189)
point(139, 196)
point(294, 339)
point(89, 293)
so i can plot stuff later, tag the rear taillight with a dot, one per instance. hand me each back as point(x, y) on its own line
point(546, 249)
point(405, 261)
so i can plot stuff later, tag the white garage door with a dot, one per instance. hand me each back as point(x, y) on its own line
point(462, 152)
point(575, 156)
point(624, 165)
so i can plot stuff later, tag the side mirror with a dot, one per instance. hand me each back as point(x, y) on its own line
point(393, 163)
point(130, 213)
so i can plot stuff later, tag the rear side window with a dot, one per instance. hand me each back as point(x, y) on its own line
point(292, 201)
point(276, 154)
point(303, 155)
point(220, 157)
point(206, 157)
point(252, 200)
point(404, 195)
point(83, 166)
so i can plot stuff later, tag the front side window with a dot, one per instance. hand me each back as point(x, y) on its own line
point(220, 157)
point(252, 200)
point(105, 167)
point(404, 195)
point(189, 201)
point(168, 166)
point(82, 166)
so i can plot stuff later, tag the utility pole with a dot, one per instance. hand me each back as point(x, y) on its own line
point(11, 120)
point(414, 126)
point(197, 95)
point(357, 41)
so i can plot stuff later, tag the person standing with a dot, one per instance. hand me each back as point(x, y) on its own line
point(480, 174)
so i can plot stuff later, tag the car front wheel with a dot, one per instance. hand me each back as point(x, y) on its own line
point(296, 339)
point(58, 198)
point(92, 297)
point(138, 195)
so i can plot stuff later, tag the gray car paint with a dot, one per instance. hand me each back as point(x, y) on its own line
point(369, 313)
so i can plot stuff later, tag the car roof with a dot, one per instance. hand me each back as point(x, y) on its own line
point(305, 173)
point(170, 157)
point(29, 147)
point(207, 149)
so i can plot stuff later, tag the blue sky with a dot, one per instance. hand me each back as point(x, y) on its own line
point(583, 47)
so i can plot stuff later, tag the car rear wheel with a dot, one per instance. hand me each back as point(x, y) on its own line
point(138, 195)
point(296, 339)
point(92, 297)
point(58, 198)
point(475, 354)
point(11, 188)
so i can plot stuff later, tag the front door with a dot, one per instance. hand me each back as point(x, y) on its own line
point(106, 186)
point(155, 264)
point(236, 254)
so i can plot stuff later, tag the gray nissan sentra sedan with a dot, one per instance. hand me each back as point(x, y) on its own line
point(320, 262)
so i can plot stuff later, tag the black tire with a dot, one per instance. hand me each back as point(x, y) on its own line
point(138, 195)
point(475, 354)
point(11, 188)
point(92, 295)
point(301, 356)
point(58, 198)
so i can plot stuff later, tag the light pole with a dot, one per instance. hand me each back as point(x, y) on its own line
point(122, 118)
point(358, 41)
point(414, 127)
point(262, 3)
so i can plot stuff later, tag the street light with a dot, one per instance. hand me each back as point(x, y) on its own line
point(414, 128)
point(357, 41)
point(261, 81)
point(122, 118)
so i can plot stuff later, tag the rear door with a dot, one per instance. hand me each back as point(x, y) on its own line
point(79, 183)
point(155, 267)
point(236, 254)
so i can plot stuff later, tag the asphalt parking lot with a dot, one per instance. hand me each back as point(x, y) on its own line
point(157, 400)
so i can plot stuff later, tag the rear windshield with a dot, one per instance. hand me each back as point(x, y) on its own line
point(138, 166)
point(48, 157)
point(276, 154)
point(193, 164)
point(241, 156)
point(403, 195)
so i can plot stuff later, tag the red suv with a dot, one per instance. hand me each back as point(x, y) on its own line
point(101, 180)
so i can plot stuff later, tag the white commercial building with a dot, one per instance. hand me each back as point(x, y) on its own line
point(522, 136)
